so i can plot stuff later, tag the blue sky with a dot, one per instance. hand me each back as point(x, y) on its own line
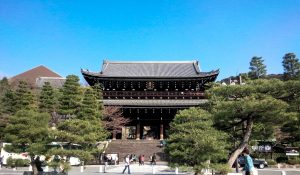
point(68, 35)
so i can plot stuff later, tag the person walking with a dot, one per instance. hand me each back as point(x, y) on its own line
point(1, 161)
point(249, 167)
point(127, 163)
point(38, 164)
point(142, 159)
point(154, 159)
point(150, 159)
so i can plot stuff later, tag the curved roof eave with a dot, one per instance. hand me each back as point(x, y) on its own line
point(201, 75)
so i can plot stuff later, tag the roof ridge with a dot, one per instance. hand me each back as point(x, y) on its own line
point(167, 62)
point(53, 77)
point(39, 66)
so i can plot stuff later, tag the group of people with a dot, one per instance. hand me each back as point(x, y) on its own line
point(132, 158)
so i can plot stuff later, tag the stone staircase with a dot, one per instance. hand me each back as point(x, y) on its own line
point(137, 147)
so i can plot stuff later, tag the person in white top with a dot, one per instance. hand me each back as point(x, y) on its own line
point(127, 163)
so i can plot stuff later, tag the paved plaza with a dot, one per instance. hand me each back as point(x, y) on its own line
point(135, 169)
point(111, 169)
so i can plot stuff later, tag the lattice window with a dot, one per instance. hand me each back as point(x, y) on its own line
point(150, 85)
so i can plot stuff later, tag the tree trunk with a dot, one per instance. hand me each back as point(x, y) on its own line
point(32, 163)
point(198, 172)
point(243, 144)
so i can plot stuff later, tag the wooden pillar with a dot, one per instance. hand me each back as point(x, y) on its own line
point(138, 131)
point(114, 135)
point(123, 133)
point(161, 136)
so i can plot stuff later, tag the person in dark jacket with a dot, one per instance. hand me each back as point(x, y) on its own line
point(38, 164)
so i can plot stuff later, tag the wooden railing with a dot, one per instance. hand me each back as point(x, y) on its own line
point(153, 94)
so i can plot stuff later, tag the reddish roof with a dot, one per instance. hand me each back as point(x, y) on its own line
point(31, 75)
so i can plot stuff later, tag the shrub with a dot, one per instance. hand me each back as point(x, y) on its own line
point(22, 162)
point(222, 168)
point(11, 162)
point(293, 161)
point(281, 159)
point(271, 162)
point(17, 162)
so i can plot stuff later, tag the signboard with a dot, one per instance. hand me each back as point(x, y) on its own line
point(266, 148)
point(292, 154)
point(292, 151)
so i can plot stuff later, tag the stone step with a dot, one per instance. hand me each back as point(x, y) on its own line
point(137, 147)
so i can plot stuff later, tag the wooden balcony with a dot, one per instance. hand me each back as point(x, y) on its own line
point(153, 95)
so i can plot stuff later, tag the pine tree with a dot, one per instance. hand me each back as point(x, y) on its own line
point(98, 91)
point(291, 66)
point(86, 133)
point(69, 101)
point(99, 95)
point(291, 127)
point(9, 102)
point(239, 109)
point(6, 105)
point(25, 98)
point(47, 100)
point(4, 86)
point(257, 68)
point(28, 132)
point(89, 107)
point(193, 140)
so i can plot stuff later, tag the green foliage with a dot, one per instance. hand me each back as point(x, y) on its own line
point(9, 102)
point(259, 108)
point(293, 160)
point(232, 105)
point(271, 162)
point(17, 162)
point(4, 87)
point(291, 66)
point(250, 111)
point(257, 68)
point(69, 101)
point(291, 94)
point(84, 155)
point(263, 132)
point(292, 127)
point(271, 87)
point(89, 109)
point(61, 163)
point(223, 169)
point(28, 132)
point(25, 100)
point(81, 131)
point(193, 141)
point(98, 91)
point(47, 100)
point(76, 131)
point(282, 159)
point(99, 95)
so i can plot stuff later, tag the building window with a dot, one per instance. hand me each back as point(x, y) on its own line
point(150, 85)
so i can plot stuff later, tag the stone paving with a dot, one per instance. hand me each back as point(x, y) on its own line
point(160, 169)
point(109, 170)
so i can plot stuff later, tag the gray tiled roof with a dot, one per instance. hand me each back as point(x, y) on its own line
point(56, 82)
point(150, 69)
point(153, 102)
